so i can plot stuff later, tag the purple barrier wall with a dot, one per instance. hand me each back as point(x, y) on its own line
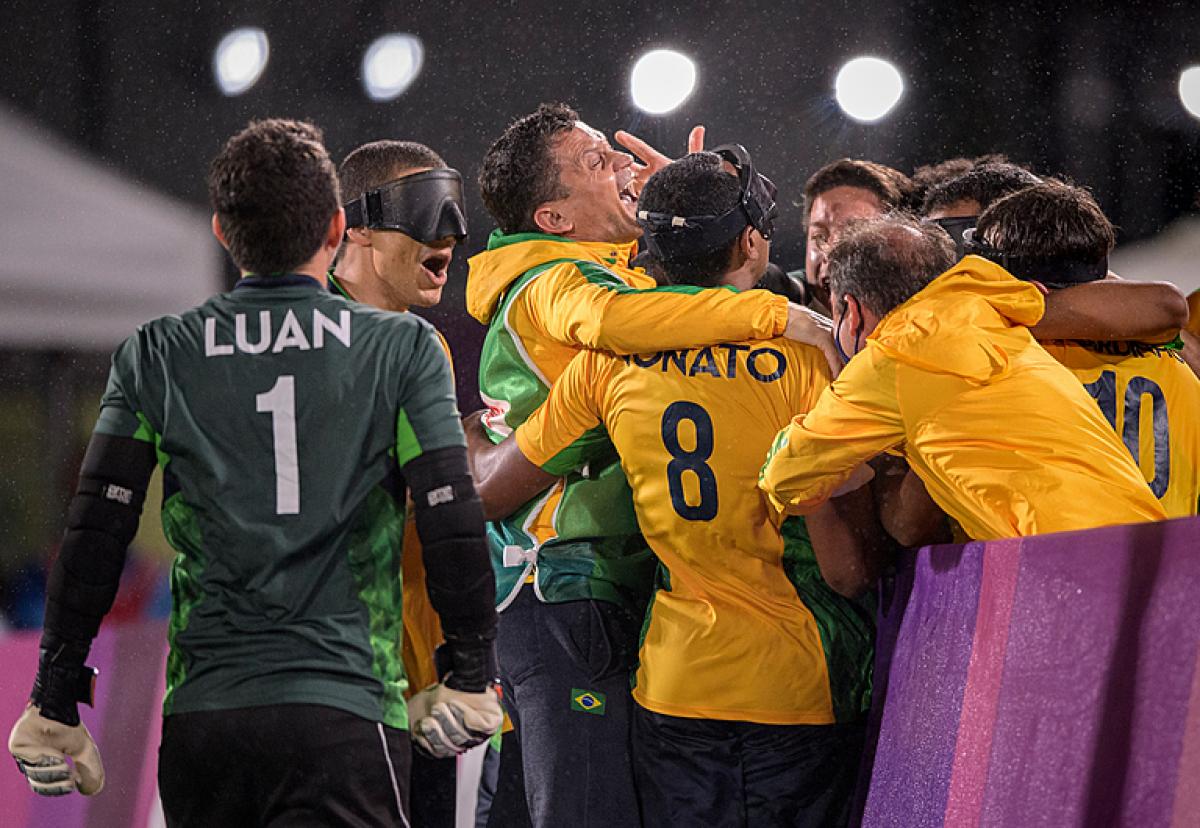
point(1046, 681)
point(126, 725)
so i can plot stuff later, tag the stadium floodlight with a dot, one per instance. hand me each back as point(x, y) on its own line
point(1189, 90)
point(661, 80)
point(240, 59)
point(391, 64)
point(867, 88)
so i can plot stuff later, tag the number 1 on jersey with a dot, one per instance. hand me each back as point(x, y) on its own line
point(280, 403)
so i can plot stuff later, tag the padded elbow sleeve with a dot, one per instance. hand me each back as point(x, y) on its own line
point(101, 521)
point(449, 518)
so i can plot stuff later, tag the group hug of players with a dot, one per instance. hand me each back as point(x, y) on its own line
point(691, 486)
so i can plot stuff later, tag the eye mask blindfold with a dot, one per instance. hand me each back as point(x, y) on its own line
point(1051, 271)
point(669, 236)
point(425, 206)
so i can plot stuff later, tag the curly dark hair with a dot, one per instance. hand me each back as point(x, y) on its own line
point(983, 184)
point(892, 187)
point(519, 173)
point(928, 176)
point(695, 185)
point(885, 261)
point(274, 190)
point(375, 164)
point(1050, 220)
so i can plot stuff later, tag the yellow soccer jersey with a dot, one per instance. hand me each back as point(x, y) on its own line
point(1152, 399)
point(728, 636)
point(1003, 437)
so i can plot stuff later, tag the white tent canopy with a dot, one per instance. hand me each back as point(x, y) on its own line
point(87, 255)
point(1171, 256)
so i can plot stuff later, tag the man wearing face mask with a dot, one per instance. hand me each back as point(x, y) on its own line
point(937, 355)
point(573, 572)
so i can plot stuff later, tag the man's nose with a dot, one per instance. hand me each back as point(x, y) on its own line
point(621, 160)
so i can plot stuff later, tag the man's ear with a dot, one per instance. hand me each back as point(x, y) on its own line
point(551, 221)
point(746, 249)
point(360, 236)
point(853, 314)
point(755, 245)
point(216, 229)
point(337, 229)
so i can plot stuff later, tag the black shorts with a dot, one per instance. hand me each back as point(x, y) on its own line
point(282, 765)
point(708, 772)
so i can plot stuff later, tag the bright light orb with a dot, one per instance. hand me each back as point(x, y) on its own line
point(391, 64)
point(867, 88)
point(240, 59)
point(1189, 90)
point(661, 80)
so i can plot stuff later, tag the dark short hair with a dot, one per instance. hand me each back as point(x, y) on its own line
point(375, 164)
point(928, 176)
point(892, 187)
point(984, 184)
point(519, 172)
point(1052, 219)
point(695, 185)
point(274, 190)
point(885, 261)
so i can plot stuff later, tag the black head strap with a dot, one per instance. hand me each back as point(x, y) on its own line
point(1052, 271)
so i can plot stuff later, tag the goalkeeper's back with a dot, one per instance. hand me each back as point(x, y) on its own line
point(280, 412)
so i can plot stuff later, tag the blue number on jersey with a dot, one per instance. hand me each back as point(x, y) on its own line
point(693, 461)
point(1104, 391)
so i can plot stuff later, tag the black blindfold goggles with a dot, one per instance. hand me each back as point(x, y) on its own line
point(670, 237)
point(426, 206)
point(1051, 271)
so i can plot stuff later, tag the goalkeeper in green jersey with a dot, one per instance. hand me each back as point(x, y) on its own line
point(287, 421)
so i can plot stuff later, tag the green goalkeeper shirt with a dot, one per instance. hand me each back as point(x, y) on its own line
point(281, 414)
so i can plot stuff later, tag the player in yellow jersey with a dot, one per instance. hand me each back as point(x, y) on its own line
point(754, 669)
point(572, 572)
point(1057, 235)
point(944, 366)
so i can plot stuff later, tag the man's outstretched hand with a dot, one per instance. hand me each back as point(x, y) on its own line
point(41, 745)
point(651, 159)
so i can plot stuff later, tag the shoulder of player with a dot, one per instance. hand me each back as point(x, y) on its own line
point(799, 356)
point(386, 320)
point(157, 331)
point(800, 351)
point(583, 271)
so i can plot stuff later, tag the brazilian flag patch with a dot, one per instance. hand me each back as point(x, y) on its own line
point(588, 701)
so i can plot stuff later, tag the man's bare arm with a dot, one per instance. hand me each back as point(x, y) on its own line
point(1114, 309)
point(848, 542)
point(504, 479)
point(906, 510)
